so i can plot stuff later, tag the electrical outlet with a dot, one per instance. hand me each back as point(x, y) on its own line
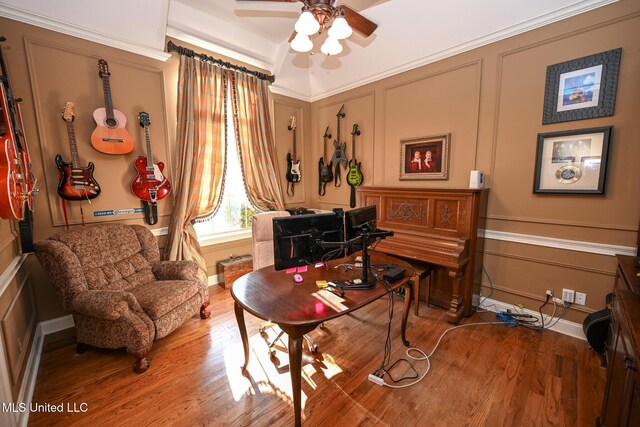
point(549, 292)
point(568, 295)
point(581, 298)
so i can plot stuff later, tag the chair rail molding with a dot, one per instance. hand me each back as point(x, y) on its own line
point(553, 242)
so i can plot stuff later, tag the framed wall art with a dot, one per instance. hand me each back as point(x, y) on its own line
point(425, 157)
point(573, 161)
point(582, 88)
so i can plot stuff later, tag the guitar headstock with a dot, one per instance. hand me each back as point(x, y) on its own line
point(103, 68)
point(144, 118)
point(292, 123)
point(356, 130)
point(341, 113)
point(67, 114)
point(326, 133)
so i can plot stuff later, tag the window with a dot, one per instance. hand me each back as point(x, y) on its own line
point(233, 218)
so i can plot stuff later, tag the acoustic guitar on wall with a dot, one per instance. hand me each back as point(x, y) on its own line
point(76, 182)
point(110, 135)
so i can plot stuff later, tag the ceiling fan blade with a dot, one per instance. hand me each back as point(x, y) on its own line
point(358, 22)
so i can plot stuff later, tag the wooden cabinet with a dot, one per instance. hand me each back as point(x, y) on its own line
point(621, 406)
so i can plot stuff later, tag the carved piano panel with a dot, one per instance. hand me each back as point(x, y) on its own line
point(438, 226)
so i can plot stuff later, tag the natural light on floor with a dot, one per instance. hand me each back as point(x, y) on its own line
point(271, 375)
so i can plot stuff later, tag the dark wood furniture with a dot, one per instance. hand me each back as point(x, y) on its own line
point(233, 268)
point(621, 406)
point(297, 309)
point(438, 226)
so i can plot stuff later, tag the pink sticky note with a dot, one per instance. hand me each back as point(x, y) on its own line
point(302, 269)
point(290, 270)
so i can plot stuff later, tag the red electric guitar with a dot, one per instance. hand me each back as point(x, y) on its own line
point(150, 185)
point(16, 176)
point(76, 182)
point(111, 135)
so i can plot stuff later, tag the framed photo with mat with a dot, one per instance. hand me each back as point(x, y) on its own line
point(582, 88)
point(425, 157)
point(573, 161)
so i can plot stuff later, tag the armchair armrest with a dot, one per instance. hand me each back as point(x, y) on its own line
point(176, 270)
point(104, 304)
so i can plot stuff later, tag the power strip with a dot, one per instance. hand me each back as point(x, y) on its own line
point(376, 379)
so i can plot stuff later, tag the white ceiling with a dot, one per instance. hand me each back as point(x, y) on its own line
point(411, 33)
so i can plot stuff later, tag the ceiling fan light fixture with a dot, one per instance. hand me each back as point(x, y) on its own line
point(301, 43)
point(307, 24)
point(331, 46)
point(340, 29)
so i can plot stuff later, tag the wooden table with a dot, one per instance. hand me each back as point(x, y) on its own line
point(273, 295)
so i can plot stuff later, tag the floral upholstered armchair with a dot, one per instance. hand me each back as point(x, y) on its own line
point(111, 279)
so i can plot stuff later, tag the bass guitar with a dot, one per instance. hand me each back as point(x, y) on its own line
point(76, 182)
point(150, 185)
point(293, 165)
point(354, 176)
point(110, 135)
point(339, 156)
point(324, 170)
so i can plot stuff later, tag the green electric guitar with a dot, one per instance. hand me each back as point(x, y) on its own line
point(354, 177)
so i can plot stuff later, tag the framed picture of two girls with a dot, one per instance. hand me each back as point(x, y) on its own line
point(425, 157)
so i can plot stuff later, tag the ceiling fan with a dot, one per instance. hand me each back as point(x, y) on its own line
point(320, 15)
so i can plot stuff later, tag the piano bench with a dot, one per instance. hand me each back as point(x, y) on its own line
point(423, 274)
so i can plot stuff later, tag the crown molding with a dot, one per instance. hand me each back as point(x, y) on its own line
point(219, 48)
point(75, 31)
point(514, 30)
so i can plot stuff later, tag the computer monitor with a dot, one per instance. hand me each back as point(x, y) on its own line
point(355, 221)
point(301, 239)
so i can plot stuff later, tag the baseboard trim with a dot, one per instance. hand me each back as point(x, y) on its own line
point(216, 279)
point(565, 327)
point(56, 325)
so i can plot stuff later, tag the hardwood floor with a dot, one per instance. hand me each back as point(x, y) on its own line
point(480, 376)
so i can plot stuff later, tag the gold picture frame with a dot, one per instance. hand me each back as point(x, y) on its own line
point(425, 157)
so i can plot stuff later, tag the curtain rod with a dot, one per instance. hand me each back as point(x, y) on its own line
point(172, 47)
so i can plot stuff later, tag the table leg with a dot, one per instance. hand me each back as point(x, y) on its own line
point(405, 312)
point(295, 369)
point(243, 332)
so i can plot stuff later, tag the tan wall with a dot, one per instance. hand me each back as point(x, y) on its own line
point(48, 69)
point(490, 100)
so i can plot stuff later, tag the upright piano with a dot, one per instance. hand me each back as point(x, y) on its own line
point(437, 226)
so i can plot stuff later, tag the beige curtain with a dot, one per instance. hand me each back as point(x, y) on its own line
point(200, 138)
point(254, 135)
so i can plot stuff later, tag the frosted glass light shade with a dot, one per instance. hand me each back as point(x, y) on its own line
point(301, 43)
point(340, 29)
point(307, 24)
point(331, 46)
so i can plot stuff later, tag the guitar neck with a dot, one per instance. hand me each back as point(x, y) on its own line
point(353, 146)
point(108, 102)
point(75, 159)
point(294, 144)
point(148, 139)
